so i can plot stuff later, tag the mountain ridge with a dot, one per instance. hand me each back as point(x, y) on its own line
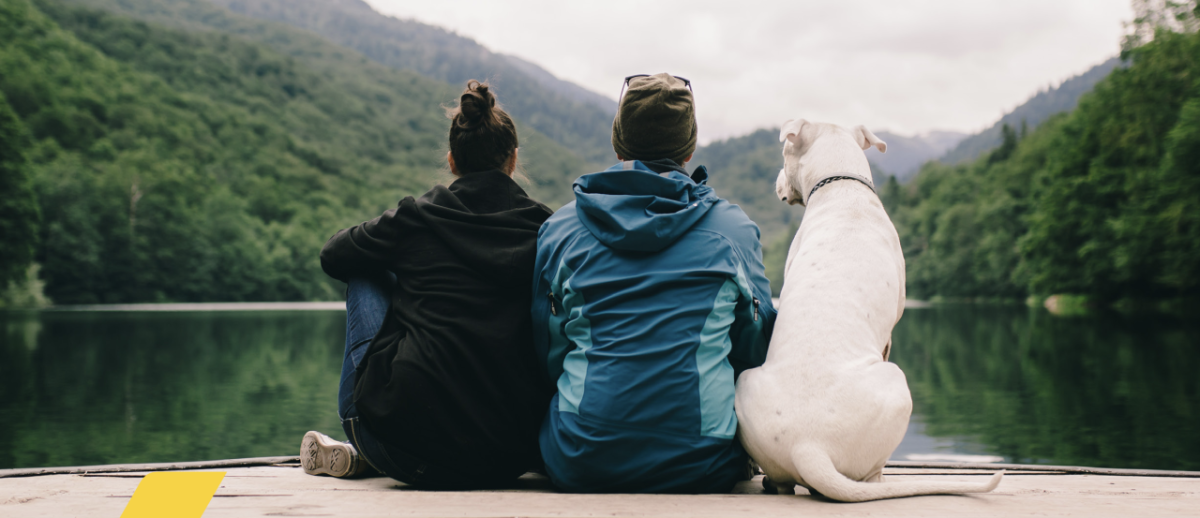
point(1032, 112)
point(567, 88)
point(569, 114)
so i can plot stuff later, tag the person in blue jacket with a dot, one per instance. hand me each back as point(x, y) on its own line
point(649, 300)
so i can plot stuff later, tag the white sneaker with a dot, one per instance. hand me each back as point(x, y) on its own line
point(320, 454)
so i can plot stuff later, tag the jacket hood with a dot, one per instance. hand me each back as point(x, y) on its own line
point(631, 207)
point(489, 222)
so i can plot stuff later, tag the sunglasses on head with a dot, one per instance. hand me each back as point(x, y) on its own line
point(686, 83)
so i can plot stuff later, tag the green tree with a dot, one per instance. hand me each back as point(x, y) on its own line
point(1155, 15)
point(1008, 144)
point(891, 195)
point(19, 216)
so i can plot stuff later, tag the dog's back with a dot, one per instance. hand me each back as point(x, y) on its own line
point(826, 410)
point(842, 295)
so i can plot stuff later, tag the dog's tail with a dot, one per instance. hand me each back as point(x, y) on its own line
point(818, 471)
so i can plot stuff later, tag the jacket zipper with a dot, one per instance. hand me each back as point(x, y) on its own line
point(552, 300)
point(755, 309)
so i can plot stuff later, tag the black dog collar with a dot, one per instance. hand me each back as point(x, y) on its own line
point(822, 183)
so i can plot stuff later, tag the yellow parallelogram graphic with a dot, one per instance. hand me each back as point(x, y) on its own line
point(173, 494)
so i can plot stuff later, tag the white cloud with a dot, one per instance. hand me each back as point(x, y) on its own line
point(906, 66)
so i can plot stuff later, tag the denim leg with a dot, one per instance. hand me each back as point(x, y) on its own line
point(367, 302)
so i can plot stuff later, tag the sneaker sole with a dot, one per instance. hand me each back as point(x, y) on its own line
point(321, 455)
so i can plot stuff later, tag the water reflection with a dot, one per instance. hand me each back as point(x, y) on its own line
point(1106, 390)
point(96, 388)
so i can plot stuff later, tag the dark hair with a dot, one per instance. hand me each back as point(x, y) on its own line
point(482, 135)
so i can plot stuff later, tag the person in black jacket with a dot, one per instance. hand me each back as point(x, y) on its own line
point(440, 384)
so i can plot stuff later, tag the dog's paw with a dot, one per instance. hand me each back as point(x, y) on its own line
point(774, 488)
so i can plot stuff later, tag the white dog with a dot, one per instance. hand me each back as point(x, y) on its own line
point(827, 409)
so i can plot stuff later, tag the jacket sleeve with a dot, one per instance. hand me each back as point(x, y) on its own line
point(754, 315)
point(547, 311)
point(368, 247)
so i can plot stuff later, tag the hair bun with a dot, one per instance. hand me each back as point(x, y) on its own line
point(476, 103)
point(482, 135)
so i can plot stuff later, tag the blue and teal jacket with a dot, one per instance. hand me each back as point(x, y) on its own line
point(649, 299)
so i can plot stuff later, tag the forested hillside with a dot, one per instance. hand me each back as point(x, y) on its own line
point(172, 165)
point(550, 166)
point(574, 117)
point(1102, 202)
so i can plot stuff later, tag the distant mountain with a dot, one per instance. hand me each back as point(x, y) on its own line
point(906, 154)
point(569, 114)
point(1037, 109)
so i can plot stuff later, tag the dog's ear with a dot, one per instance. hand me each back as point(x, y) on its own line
point(866, 139)
point(791, 130)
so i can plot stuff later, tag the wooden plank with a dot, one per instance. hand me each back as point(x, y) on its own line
point(945, 467)
point(287, 491)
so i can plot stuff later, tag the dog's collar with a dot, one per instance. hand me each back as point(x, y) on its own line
point(831, 179)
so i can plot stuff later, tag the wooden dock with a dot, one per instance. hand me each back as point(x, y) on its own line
point(278, 487)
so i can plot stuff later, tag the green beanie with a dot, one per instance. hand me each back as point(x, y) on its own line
point(656, 120)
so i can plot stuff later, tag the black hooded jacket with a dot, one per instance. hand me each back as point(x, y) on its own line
point(451, 377)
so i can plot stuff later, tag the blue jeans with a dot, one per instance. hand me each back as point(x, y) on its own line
point(368, 299)
point(367, 302)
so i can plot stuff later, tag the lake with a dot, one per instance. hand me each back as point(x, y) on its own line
point(999, 382)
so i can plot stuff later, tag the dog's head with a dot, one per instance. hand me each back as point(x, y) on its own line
point(799, 171)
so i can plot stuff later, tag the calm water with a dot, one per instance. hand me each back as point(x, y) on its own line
point(97, 388)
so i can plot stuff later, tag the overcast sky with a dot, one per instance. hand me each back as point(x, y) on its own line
point(908, 66)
